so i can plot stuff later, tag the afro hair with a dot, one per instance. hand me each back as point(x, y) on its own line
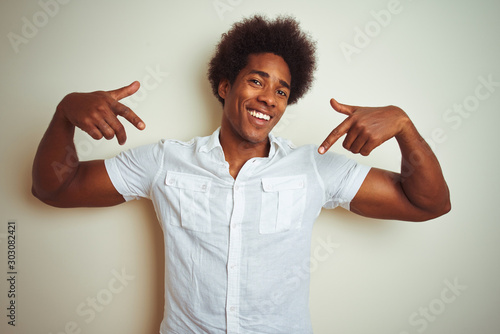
point(256, 34)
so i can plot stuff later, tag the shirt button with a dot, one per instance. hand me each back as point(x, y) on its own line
point(204, 187)
point(232, 308)
point(236, 187)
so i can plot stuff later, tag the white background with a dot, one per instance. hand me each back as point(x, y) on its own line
point(376, 276)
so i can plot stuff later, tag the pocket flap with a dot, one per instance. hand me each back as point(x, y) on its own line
point(273, 184)
point(187, 181)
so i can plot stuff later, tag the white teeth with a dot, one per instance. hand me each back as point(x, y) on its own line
point(259, 115)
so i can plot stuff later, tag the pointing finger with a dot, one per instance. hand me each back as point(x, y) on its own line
point(127, 113)
point(336, 133)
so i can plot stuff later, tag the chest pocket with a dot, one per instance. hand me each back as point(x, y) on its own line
point(190, 195)
point(283, 203)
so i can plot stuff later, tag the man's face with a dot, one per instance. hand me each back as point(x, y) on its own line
point(257, 99)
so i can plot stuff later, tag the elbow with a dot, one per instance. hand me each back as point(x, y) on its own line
point(40, 195)
point(441, 204)
point(436, 211)
point(37, 194)
point(47, 198)
point(39, 190)
point(445, 207)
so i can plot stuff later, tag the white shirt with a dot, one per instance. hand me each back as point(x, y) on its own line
point(233, 246)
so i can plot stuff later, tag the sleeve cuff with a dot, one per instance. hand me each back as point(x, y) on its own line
point(117, 179)
point(353, 186)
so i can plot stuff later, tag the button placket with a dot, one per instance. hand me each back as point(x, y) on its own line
point(233, 279)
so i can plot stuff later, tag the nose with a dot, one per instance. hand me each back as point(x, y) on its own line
point(267, 96)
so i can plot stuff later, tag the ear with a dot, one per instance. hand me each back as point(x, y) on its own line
point(224, 87)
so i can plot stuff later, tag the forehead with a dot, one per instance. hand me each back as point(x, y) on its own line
point(269, 63)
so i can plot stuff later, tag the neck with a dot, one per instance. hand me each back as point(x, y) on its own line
point(238, 151)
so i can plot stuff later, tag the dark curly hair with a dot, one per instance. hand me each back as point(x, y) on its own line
point(256, 34)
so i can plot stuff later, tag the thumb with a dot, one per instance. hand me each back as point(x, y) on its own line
point(123, 92)
point(342, 108)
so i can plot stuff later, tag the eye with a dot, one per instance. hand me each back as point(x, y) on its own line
point(255, 81)
point(282, 93)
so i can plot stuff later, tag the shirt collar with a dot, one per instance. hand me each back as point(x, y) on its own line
point(212, 142)
point(277, 145)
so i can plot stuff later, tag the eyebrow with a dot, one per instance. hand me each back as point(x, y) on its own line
point(266, 75)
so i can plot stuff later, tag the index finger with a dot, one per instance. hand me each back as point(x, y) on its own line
point(336, 133)
point(127, 113)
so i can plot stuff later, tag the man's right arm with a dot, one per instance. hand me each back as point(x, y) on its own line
point(59, 178)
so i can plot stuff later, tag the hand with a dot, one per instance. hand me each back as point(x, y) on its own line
point(97, 113)
point(366, 127)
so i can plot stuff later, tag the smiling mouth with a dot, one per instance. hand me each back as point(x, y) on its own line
point(259, 115)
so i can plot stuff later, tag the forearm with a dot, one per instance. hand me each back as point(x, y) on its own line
point(422, 180)
point(56, 160)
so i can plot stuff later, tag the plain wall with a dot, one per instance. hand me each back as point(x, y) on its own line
point(431, 58)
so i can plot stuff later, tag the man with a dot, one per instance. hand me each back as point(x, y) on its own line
point(237, 207)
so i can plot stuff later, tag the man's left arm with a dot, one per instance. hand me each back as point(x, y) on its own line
point(419, 192)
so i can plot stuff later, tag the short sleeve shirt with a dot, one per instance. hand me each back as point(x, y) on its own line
point(233, 246)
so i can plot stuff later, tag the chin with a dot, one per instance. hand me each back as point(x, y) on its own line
point(256, 138)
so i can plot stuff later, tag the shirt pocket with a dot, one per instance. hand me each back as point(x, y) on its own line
point(283, 203)
point(190, 196)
